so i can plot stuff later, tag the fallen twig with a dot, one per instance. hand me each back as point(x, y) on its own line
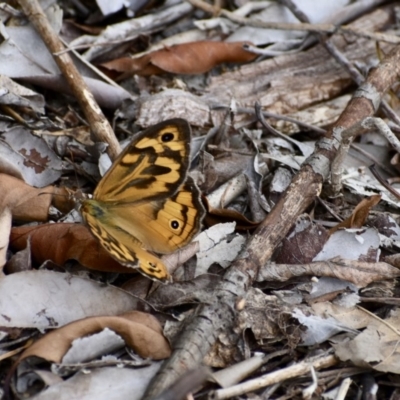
point(98, 123)
point(360, 273)
point(293, 371)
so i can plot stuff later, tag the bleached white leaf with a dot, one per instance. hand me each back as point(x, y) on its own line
point(103, 384)
point(281, 180)
point(91, 347)
point(5, 228)
point(215, 249)
point(351, 245)
point(25, 54)
point(110, 7)
point(135, 27)
point(31, 156)
point(223, 254)
point(318, 329)
point(327, 285)
point(12, 93)
point(212, 236)
point(47, 299)
point(363, 184)
point(275, 12)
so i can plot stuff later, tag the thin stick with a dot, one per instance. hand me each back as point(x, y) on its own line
point(322, 28)
point(99, 125)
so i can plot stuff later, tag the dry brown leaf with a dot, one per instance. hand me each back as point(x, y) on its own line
point(140, 331)
point(359, 215)
point(376, 347)
point(20, 261)
point(303, 243)
point(62, 242)
point(186, 58)
point(26, 202)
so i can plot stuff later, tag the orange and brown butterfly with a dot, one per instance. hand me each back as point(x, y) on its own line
point(146, 203)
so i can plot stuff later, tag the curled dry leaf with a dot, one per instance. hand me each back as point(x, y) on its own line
point(140, 331)
point(360, 214)
point(198, 289)
point(222, 215)
point(186, 58)
point(376, 346)
point(186, 384)
point(20, 261)
point(62, 242)
point(26, 202)
point(179, 257)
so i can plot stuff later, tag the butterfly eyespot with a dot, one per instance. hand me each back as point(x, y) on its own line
point(174, 224)
point(167, 137)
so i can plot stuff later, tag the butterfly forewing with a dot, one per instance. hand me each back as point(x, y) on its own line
point(153, 166)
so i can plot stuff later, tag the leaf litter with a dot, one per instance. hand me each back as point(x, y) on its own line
point(294, 313)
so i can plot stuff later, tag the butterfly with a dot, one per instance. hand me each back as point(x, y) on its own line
point(146, 203)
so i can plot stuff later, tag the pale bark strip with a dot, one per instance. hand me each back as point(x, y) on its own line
point(202, 331)
point(281, 375)
point(98, 123)
point(360, 273)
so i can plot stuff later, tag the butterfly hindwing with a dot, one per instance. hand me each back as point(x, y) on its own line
point(126, 249)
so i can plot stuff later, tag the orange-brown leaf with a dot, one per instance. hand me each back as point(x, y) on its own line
point(186, 58)
point(140, 331)
point(62, 242)
point(26, 202)
point(359, 215)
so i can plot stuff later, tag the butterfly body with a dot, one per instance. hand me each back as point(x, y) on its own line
point(146, 203)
